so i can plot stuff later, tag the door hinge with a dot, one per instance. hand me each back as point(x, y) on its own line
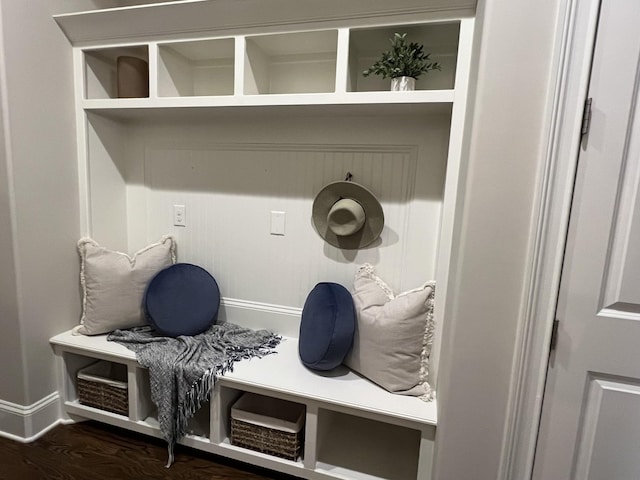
point(554, 335)
point(586, 117)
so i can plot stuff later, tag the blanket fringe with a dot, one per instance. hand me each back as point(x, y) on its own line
point(201, 389)
point(170, 450)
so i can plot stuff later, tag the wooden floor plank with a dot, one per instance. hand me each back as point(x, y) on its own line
point(91, 450)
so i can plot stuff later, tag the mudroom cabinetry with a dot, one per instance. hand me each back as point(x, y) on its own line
point(353, 429)
point(251, 113)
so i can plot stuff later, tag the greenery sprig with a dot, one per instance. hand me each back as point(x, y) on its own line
point(403, 60)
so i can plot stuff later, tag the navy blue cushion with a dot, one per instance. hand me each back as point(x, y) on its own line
point(182, 299)
point(327, 326)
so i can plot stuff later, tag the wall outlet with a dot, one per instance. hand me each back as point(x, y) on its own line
point(179, 216)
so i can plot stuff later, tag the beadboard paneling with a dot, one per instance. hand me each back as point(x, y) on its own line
point(231, 171)
point(230, 190)
point(107, 183)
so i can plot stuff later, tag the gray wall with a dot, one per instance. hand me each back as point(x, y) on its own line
point(40, 143)
point(11, 378)
point(513, 91)
point(67, 6)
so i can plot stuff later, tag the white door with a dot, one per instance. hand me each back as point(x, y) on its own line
point(590, 427)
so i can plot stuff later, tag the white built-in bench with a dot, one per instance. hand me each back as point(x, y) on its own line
point(353, 428)
point(249, 111)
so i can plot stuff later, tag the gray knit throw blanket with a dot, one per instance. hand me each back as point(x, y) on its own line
point(183, 370)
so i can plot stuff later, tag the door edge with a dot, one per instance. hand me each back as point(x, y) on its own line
point(574, 47)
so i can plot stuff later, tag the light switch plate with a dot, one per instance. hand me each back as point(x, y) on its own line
point(179, 216)
point(277, 222)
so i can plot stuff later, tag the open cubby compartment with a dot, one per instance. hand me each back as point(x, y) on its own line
point(198, 426)
point(101, 69)
point(366, 46)
point(74, 362)
point(361, 448)
point(225, 398)
point(301, 62)
point(196, 68)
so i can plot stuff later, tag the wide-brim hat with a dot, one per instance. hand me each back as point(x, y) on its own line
point(347, 215)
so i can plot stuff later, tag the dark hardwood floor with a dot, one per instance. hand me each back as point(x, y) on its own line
point(93, 451)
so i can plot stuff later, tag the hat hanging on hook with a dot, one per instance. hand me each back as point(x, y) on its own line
point(347, 215)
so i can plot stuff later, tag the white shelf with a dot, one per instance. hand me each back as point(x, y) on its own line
point(377, 103)
point(351, 98)
point(191, 439)
point(259, 459)
point(207, 114)
point(75, 408)
point(226, 444)
point(148, 426)
point(85, 410)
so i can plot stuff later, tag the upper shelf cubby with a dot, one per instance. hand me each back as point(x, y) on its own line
point(196, 68)
point(291, 63)
point(440, 40)
point(101, 67)
point(313, 67)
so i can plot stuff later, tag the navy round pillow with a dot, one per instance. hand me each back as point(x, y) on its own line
point(182, 299)
point(327, 326)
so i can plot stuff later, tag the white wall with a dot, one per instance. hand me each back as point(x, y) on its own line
point(40, 132)
point(507, 147)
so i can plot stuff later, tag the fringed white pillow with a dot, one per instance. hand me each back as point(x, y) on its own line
point(394, 335)
point(113, 284)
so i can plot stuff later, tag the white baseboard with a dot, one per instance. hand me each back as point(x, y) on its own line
point(26, 423)
point(279, 319)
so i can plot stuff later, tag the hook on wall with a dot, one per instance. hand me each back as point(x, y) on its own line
point(349, 177)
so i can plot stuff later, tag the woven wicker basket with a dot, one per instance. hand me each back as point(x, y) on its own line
point(268, 425)
point(266, 440)
point(103, 385)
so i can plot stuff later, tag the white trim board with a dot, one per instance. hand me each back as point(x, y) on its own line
point(576, 35)
point(279, 319)
point(202, 17)
point(25, 423)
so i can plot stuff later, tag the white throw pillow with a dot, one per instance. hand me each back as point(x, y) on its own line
point(394, 334)
point(113, 284)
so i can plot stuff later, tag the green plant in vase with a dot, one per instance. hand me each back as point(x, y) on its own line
point(404, 63)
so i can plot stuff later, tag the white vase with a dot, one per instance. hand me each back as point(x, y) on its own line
point(403, 84)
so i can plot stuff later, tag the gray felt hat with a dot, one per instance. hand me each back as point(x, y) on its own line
point(347, 215)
